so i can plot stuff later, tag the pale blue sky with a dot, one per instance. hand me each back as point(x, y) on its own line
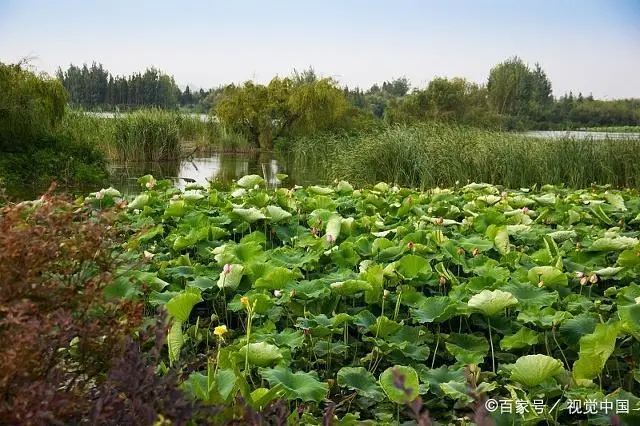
point(583, 45)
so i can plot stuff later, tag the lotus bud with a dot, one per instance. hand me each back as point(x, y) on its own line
point(503, 194)
point(593, 278)
point(583, 280)
point(525, 210)
point(579, 274)
point(100, 195)
point(227, 269)
point(331, 238)
point(460, 251)
point(277, 293)
point(385, 294)
point(148, 255)
point(439, 221)
point(578, 246)
point(541, 283)
point(410, 245)
point(475, 252)
point(245, 301)
point(443, 280)
point(151, 184)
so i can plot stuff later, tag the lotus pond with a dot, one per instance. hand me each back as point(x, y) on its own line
point(384, 302)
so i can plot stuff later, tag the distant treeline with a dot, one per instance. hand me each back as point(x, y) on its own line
point(94, 88)
point(516, 96)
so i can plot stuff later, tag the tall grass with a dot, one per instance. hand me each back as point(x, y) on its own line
point(99, 132)
point(430, 155)
point(151, 134)
point(147, 135)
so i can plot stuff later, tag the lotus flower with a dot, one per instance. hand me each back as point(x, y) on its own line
point(227, 269)
point(220, 330)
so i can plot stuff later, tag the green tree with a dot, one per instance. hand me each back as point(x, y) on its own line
point(31, 105)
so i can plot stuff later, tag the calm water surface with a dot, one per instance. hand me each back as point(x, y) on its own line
point(216, 166)
point(579, 134)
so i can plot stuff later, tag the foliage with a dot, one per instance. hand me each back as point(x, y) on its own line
point(147, 135)
point(444, 100)
point(428, 155)
point(284, 108)
point(32, 151)
point(60, 331)
point(30, 106)
point(403, 304)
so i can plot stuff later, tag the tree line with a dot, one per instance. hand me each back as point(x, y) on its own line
point(94, 88)
point(515, 96)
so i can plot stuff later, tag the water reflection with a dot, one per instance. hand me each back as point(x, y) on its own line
point(217, 166)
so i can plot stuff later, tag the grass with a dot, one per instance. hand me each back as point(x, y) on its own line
point(430, 155)
point(151, 135)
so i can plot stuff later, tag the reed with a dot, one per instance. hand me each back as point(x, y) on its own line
point(428, 155)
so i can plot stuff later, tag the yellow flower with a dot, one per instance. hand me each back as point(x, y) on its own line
point(220, 330)
point(244, 300)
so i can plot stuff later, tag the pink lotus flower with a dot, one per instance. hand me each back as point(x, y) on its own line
point(227, 269)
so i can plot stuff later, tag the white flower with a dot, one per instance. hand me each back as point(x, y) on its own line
point(277, 293)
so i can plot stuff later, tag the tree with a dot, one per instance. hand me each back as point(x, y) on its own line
point(285, 108)
point(30, 106)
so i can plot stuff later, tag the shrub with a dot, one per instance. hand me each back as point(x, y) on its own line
point(60, 332)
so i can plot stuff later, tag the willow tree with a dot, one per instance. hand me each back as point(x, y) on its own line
point(31, 105)
point(284, 108)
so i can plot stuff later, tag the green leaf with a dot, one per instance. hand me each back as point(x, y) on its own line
point(225, 382)
point(350, 287)
point(467, 348)
point(139, 202)
point(231, 279)
point(595, 349)
point(523, 338)
point(344, 188)
point(333, 228)
point(300, 385)
point(614, 244)
point(175, 340)
point(501, 240)
point(277, 278)
point(261, 354)
point(175, 209)
point(277, 214)
point(250, 181)
point(434, 309)
point(360, 380)
point(410, 266)
point(180, 306)
point(532, 370)
point(400, 383)
point(250, 215)
point(491, 302)
point(549, 275)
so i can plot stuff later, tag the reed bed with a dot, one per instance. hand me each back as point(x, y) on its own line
point(429, 155)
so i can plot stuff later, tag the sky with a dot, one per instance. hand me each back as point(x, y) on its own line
point(584, 46)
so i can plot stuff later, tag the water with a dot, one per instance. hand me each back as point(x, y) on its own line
point(580, 134)
point(202, 117)
point(223, 167)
